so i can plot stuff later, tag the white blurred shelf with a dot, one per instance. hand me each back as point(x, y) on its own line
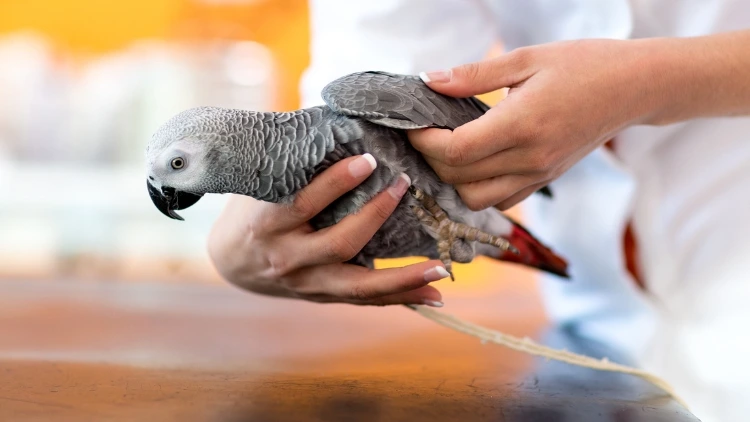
point(104, 110)
point(65, 209)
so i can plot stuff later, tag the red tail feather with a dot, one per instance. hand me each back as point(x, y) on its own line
point(533, 253)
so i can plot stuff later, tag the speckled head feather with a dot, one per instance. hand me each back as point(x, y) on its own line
point(264, 155)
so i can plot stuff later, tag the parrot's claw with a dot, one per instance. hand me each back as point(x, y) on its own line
point(431, 215)
point(443, 244)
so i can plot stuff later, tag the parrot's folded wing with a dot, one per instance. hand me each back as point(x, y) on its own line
point(399, 101)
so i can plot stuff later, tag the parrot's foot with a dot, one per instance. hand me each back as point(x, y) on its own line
point(451, 233)
point(443, 243)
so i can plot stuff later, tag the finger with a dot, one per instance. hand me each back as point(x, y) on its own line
point(486, 193)
point(356, 283)
point(502, 163)
point(342, 241)
point(426, 295)
point(325, 188)
point(519, 196)
point(495, 131)
point(483, 76)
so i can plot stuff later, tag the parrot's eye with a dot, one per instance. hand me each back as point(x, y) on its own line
point(178, 163)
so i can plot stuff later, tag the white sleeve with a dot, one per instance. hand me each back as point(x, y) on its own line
point(400, 36)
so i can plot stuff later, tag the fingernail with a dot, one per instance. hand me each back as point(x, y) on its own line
point(400, 186)
point(363, 165)
point(437, 76)
point(433, 303)
point(435, 273)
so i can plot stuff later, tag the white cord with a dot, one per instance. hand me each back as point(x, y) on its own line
point(527, 345)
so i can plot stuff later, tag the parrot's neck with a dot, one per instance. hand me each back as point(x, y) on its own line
point(295, 143)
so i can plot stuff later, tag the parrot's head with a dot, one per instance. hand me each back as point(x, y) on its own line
point(189, 156)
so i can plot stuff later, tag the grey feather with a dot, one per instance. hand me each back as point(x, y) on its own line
point(399, 101)
point(271, 156)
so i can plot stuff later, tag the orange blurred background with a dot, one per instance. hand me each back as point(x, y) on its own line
point(110, 42)
point(82, 28)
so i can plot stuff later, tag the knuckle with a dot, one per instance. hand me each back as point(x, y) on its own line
point(361, 292)
point(332, 253)
point(255, 231)
point(521, 57)
point(339, 250)
point(532, 117)
point(532, 131)
point(278, 264)
point(337, 184)
point(454, 154)
point(539, 129)
point(253, 228)
point(470, 71)
point(303, 207)
point(542, 162)
point(382, 211)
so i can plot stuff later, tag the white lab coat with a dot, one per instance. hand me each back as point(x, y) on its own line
point(686, 186)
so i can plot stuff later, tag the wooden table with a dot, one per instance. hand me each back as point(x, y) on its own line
point(73, 351)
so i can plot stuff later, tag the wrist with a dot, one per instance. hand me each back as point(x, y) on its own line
point(665, 75)
point(687, 78)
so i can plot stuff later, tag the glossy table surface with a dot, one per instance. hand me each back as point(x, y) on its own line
point(78, 351)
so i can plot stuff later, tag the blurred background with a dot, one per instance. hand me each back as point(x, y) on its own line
point(92, 275)
point(84, 83)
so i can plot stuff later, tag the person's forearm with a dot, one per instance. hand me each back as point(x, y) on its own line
point(698, 77)
point(568, 98)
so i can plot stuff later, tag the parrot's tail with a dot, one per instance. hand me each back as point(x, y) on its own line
point(533, 253)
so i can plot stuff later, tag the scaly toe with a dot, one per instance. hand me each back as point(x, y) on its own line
point(448, 264)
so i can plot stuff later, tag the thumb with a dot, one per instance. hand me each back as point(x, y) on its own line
point(480, 77)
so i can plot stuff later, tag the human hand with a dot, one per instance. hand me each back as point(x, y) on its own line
point(565, 99)
point(272, 249)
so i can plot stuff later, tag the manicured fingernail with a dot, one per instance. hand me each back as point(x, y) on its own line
point(437, 76)
point(433, 303)
point(363, 165)
point(399, 187)
point(435, 274)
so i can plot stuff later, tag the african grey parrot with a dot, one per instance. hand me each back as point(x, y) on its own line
point(270, 156)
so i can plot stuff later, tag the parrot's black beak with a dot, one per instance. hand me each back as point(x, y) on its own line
point(168, 200)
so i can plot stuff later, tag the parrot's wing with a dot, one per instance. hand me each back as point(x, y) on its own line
point(399, 101)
